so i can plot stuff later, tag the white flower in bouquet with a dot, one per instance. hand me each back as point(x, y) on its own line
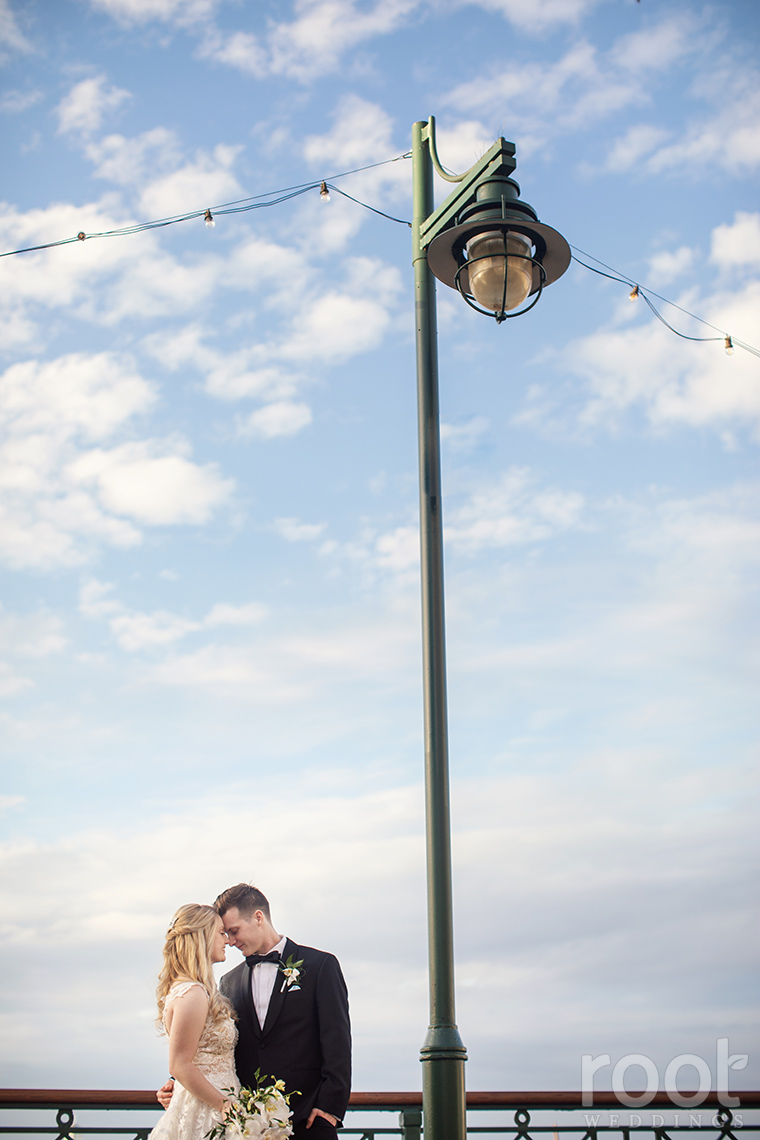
point(261, 1113)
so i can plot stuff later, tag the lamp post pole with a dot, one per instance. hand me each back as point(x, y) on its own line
point(443, 1054)
point(489, 245)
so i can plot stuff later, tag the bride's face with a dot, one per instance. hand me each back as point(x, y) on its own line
point(219, 952)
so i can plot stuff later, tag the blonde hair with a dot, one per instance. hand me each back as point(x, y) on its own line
point(187, 956)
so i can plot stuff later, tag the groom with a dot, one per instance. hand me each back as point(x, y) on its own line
point(291, 1025)
point(292, 1007)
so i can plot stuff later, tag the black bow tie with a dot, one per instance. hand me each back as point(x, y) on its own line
point(254, 959)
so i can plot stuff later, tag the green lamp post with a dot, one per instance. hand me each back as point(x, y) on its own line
point(490, 246)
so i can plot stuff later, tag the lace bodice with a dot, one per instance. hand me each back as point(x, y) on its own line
point(188, 1118)
point(214, 1055)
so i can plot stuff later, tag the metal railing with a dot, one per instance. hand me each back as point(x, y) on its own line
point(69, 1114)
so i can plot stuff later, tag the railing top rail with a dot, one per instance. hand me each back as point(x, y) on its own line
point(146, 1098)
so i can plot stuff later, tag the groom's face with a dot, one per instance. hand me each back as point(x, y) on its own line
point(248, 934)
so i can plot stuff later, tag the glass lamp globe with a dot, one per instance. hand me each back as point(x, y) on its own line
point(486, 263)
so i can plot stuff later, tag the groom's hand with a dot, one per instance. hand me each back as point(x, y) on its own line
point(315, 1112)
point(164, 1094)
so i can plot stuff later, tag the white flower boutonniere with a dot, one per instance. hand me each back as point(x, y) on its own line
point(291, 972)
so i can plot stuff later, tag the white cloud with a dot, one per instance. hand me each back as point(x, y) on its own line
point(294, 531)
point(325, 858)
point(284, 417)
point(297, 664)
point(312, 44)
point(344, 322)
point(29, 638)
point(538, 15)
point(336, 326)
point(34, 635)
point(165, 181)
point(464, 437)
point(669, 265)
point(399, 550)
point(506, 511)
point(7, 803)
point(99, 281)
point(631, 147)
point(242, 50)
point(660, 46)
point(206, 181)
point(323, 32)
point(726, 135)
point(87, 104)
point(12, 683)
point(11, 35)
point(75, 395)
point(675, 381)
point(738, 243)
point(61, 495)
point(362, 132)
point(133, 161)
point(15, 102)
point(233, 672)
point(228, 375)
point(94, 599)
point(181, 12)
point(134, 631)
point(539, 98)
point(586, 85)
point(224, 614)
point(156, 489)
point(512, 511)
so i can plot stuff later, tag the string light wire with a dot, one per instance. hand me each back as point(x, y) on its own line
point(337, 190)
point(238, 206)
point(640, 291)
point(276, 197)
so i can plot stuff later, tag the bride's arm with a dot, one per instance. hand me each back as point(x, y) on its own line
point(188, 1019)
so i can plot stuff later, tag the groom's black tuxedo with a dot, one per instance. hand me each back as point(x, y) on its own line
point(306, 1037)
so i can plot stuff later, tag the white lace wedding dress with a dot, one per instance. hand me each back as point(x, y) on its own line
point(188, 1118)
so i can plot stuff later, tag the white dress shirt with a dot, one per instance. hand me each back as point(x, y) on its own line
point(263, 977)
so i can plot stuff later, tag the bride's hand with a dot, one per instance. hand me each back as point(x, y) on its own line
point(164, 1094)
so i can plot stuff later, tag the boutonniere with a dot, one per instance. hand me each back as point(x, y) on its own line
point(291, 972)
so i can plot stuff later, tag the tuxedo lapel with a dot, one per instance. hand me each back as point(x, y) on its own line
point(244, 1003)
point(277, 999)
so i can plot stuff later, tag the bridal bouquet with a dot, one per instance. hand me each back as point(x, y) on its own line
point(262, 1113)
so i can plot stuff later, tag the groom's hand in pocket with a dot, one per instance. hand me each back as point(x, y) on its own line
point(164, 1094)
point(315, 1112)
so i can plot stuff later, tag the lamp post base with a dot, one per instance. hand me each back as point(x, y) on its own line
point(443, 1097)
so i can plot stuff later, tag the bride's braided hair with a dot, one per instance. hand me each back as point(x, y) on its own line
point(187, 956)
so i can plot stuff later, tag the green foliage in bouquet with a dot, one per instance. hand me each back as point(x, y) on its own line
point(260, 1113)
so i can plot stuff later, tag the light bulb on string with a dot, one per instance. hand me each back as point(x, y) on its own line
point(729, 345)
point(324, 193)
point(208, 218)
point(634, 294)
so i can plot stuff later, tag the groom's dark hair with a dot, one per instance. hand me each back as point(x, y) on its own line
point(246, 898)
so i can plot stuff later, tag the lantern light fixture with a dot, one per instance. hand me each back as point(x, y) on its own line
point(488, 244)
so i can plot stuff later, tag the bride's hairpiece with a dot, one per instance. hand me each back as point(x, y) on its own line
point(172, 924)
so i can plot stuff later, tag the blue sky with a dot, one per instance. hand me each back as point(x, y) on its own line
point(209, 634)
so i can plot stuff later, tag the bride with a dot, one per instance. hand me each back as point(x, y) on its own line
point(199, 1023)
